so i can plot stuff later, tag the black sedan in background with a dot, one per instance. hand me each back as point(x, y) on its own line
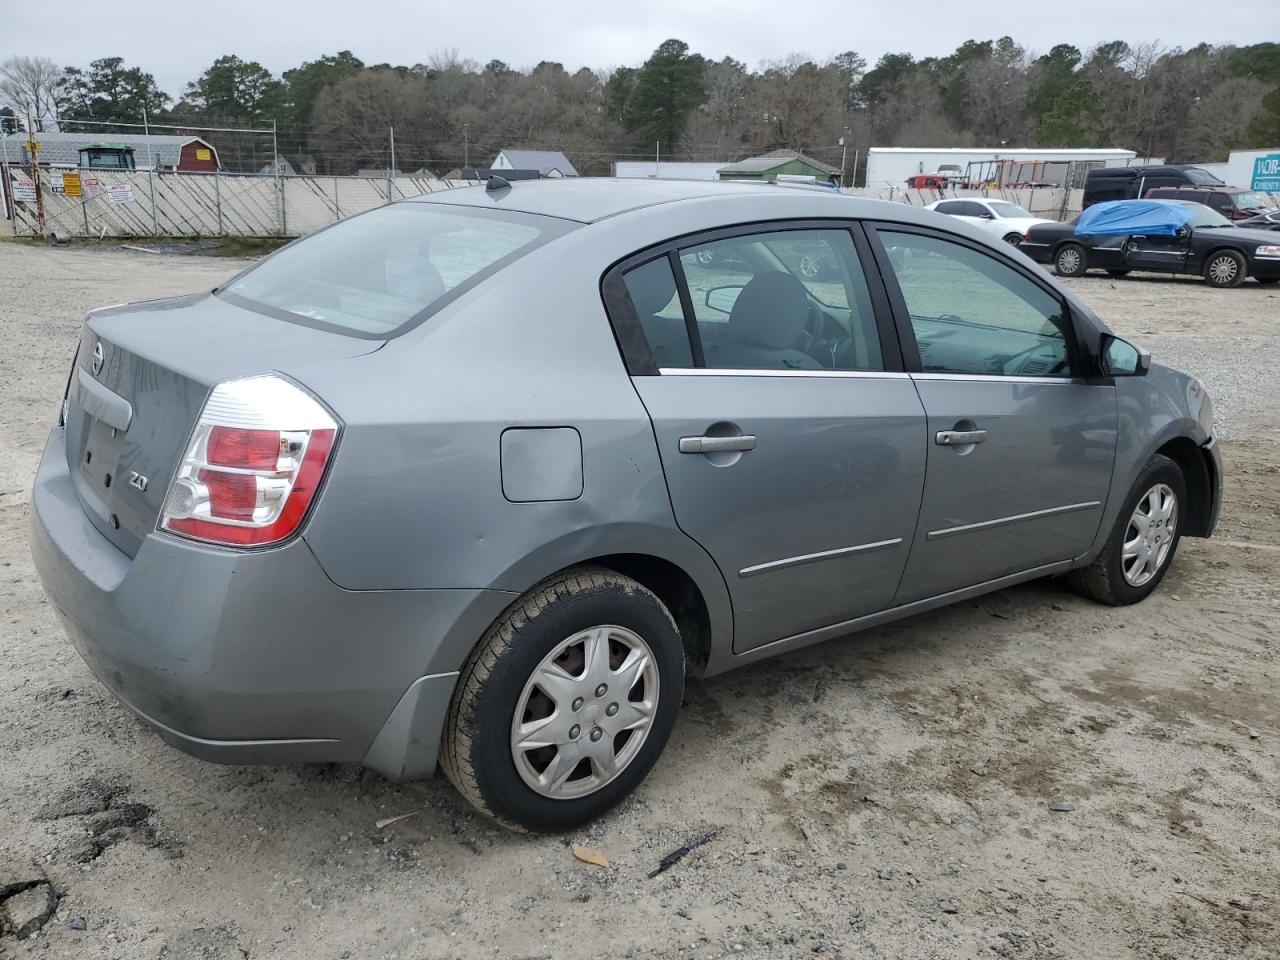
point(1263, 221)
point(1207, 243)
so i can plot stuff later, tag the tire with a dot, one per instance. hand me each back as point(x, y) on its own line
point(478, 750)
point(1071, 260)
point(1118, 273)
point(1225, 268)
point(1106, 579)
point(1013, 239)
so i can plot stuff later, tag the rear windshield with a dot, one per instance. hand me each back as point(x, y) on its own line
point(380, 273)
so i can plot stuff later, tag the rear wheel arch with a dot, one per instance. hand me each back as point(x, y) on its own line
point(1198, 472)
point(677, 590)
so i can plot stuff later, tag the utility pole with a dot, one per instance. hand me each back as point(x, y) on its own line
point(844, 152)
point(275, 166)
point(151, 167)
point(33, 150)
point(657, 158)
point(853, 180)
point(391, 169)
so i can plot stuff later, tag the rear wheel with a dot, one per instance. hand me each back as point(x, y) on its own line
point(1225, 268)
point(1143, 541)
point(1071, 260)
point(566, 703)
point(1118, 273)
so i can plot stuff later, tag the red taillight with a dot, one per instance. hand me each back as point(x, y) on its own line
point(251, 485)
point(247, 449)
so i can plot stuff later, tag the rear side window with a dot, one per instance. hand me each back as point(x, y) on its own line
point(652, 288)
point(952, 207)
point(380, 273)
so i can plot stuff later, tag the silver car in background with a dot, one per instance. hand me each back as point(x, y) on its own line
point(478, 479)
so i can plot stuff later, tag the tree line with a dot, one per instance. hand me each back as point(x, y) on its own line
point(1184, 105)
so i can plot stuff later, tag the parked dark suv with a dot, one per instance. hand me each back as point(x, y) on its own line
point(1131, 183)
point(1232, 202)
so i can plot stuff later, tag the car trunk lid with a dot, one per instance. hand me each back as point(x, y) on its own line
point(141, 376)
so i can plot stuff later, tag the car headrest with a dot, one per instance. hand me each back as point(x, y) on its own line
point(651, 288)
point(770, 311)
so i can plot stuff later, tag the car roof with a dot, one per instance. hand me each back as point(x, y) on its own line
point(589, 199)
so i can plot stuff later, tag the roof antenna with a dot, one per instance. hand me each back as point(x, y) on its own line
point(496, 183)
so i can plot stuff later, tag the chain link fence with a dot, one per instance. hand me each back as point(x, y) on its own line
point(144, 203)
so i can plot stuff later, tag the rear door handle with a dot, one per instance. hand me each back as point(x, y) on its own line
point(958, 438)
point(717, 444)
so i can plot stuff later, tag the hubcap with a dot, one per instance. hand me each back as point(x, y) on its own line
point(1068, 261)
point(809, 265)
point(585, 712)
point(1149, 536)
point(1223, 269)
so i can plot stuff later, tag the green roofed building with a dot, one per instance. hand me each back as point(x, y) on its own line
point(769, 166)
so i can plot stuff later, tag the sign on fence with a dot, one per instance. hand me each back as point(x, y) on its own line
point(1266, 173)
point(24, 191)
point(71, 183)
point(120, 193)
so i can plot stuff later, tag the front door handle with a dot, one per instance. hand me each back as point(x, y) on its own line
point(958, 438)
point(717, 444)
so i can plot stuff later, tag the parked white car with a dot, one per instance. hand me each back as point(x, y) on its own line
point(1006, 220)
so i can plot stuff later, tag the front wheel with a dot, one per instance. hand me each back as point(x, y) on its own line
point(1013, 239)
point(1071, 260)
point(566, 703)
point(1225, 268)
point(1143, 541)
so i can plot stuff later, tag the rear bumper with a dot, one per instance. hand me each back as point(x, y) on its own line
point(248, 657)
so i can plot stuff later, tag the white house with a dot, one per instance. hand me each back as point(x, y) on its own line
point(548, 163)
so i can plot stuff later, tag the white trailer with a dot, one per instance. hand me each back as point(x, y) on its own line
point(667, 169)
point(891, 166)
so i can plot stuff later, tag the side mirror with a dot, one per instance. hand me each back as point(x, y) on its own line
point(722, 298)
point(1183, 232)
point(1120, 358)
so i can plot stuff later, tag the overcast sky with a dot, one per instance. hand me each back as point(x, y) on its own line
point(176, 41)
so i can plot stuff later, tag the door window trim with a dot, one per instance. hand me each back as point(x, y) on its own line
point(634, 345)
point(1076, 348)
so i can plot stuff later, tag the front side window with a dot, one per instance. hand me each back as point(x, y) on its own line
point(782, 300)
point(973, 314)
point(952, 207)
point(377, 274)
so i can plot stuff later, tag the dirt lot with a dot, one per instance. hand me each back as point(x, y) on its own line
point(886, 795)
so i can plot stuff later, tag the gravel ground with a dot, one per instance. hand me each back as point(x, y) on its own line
point(1028, 775)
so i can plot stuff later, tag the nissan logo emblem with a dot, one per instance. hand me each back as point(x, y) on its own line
point(97, 358)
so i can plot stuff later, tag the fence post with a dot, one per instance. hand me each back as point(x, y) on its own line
point(155, 220)
point(337, 208)
point(217, 198)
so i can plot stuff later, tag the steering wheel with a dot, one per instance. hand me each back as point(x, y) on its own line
point(814, 321)
point(1014, 364)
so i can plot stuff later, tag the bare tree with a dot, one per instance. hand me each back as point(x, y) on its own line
point(31, 84)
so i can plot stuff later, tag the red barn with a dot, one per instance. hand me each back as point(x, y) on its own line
point(197, 156)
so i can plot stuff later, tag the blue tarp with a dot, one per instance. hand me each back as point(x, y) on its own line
point(1120, 218)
